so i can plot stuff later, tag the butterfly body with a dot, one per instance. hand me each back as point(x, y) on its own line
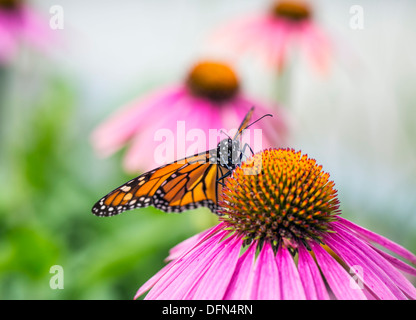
point(188, 183)
point(227, 154)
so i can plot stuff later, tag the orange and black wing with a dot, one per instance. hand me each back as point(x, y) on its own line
point(175, 187)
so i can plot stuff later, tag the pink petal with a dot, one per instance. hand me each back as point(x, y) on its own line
point(240, 285)
point(231, 119)
point(290, 282)
point(369, 274)
point(179, 251)
point(186, 109)
point(216, 279)
point(274, 129)
point(185, 274)
point(143, 152)
point(393, 277)
point(8, 38)
point(338, 279)
point(266, 284)
point(317, 47)
point(396, 262)
point(279, 43)
point(384, 242)
point(36, 29)
point(191, 242)
point(240, 33)
point(116, 130)
point(153, 280)
point(310, 276)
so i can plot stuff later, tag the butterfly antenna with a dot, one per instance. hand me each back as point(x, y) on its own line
point(222, 131)
point(266, 115)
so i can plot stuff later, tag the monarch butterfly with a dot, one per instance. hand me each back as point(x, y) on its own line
point(181, 185)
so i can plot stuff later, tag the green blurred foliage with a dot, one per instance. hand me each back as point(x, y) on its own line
point(48, 188)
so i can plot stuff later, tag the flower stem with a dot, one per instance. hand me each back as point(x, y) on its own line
point(4, 77)
point(283, 81)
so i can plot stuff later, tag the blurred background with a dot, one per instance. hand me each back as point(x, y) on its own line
point(358, 121)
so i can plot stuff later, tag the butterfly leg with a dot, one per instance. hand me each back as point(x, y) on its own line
point(244, 148)
point(243, 151)
point(223, 177)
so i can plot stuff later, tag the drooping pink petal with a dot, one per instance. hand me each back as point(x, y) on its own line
point(214, 282)
point(109, 136)
point(179, 251)
point(197, 116)
point(267, 37)
point(310, 276)
point(269, 47)
point(8, 38)
point(35, 29)
point(272, 39)
point(316, 47)
point(384, 242)
point(389, 275)
point(239, 35)
point(204, 116)
point(230, 116)
point(213, 120)
point(266, 282)
point(279, 43)
point(338, 279)
point(396, 262)
point(23, 25)
point(178, 266)
point(364, 269)
point(290, 282)
point(186, 245)
point(369, 295)
point(153, 280)
point(240, 285)
point(154, 146)
point(185, 272)
point(275, 129)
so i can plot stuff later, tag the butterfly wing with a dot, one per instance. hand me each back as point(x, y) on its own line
point(175, 187)
point(184, 184)
point(244, 123)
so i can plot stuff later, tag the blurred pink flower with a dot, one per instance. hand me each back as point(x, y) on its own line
point(210, 98)
point(271, 35)
point(20, 22)
point(295, 246)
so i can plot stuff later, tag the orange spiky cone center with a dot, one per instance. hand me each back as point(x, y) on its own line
point(279, 195)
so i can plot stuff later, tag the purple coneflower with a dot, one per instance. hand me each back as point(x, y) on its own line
point(19, 22)
point(273, 34)
point(281, 237)
point(209, 98)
